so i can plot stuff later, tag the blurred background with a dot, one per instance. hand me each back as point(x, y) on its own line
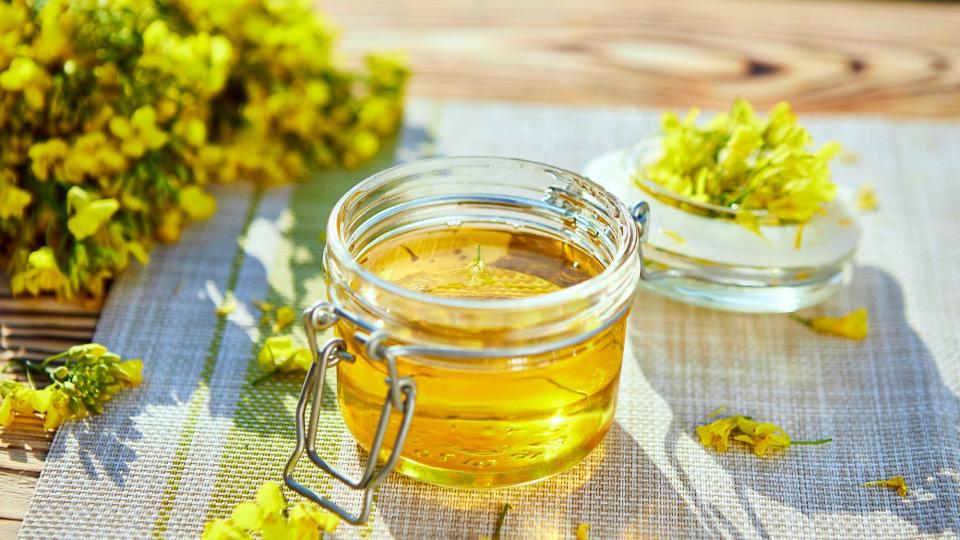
point(886, 57)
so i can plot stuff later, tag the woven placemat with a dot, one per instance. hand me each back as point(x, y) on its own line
point(197, 438)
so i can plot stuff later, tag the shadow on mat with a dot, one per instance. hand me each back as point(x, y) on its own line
point(882, 401)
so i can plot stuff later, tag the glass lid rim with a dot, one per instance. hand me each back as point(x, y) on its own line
point(620, 263)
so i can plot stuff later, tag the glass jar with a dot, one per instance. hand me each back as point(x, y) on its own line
point(699, 254)
point(486, 387)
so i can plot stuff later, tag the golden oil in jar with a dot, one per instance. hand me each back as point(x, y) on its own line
point(511, 420)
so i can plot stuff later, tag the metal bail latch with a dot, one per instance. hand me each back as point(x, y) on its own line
point(401, 394)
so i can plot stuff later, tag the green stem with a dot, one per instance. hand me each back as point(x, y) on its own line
point(821, 441)
point(263, 377)
point(500, 520)
point(800, 319)
point(30, 366)
point(54, 357)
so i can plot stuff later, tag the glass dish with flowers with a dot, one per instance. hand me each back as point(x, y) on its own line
point(743, 213)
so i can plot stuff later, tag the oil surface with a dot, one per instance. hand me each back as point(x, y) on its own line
point(488, 427)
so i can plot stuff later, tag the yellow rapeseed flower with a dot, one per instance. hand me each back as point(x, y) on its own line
point(716, 434)
point(41, 274)
point(197, 203)
point(13, 200)
point(281, 353)
point(46, 154)
point(87, 214)
point(264, 306)
point(583, 531)
point(853, 325)
point(228, 306)
point(760, 436)
point(89, 376)
point(285, 316)
point(272, 517)
point(91, 155)
point(897, 482)
point(866, 199)
point(24, 75)
point(140, 133)
point(171, 222)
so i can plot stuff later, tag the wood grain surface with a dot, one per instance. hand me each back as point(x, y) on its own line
point(886, 58)
point(889, 58)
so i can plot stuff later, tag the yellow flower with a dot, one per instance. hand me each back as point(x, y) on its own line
point(716, 434)
point(228, 306)
point(192, 130)
point(304, 511)
point(6, 411)
point(866, 199)
point(41, 274)
point(13, 200)
point(853, 325)
point(285, 316)
point(270, 498)
point(132, 371)
point(270, 517)
point(24, 75)
point(263, 306)
point(197, 203)
point(91, 154)
point(280, 353)
point(222, 529)
point(897, 482)
point(88, 214)
point(139, 252)
point(583, 531)
point(761, 437)
point(89, 376)
point(46, 154)
point(140, 133)
point(170, 225)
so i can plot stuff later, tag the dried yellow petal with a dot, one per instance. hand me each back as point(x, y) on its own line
point(281, 353)
point(866, 199)
point(284, 318)
point(264, 307)
point(762, 437)
point(226, 307)
point(270, 498)
point(853, 325)
point(247, 515)
point(897, 482)
point(673, 236)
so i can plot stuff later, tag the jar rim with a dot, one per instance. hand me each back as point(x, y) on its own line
point(624, 259)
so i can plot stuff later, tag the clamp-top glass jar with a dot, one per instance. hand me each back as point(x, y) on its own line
point(485, 301)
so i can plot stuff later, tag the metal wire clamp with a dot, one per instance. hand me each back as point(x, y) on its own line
point(401, 394)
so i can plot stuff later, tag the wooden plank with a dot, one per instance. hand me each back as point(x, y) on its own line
point(890, 58)
point(40, 332)
point(47, 306)
point(40, 320)
point(9, 528)
point(17, 495)
point(24, 446)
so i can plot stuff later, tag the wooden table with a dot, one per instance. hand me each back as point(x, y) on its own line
point(888, 58)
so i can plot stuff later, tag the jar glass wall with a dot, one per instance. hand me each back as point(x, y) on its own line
point(525, 269)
